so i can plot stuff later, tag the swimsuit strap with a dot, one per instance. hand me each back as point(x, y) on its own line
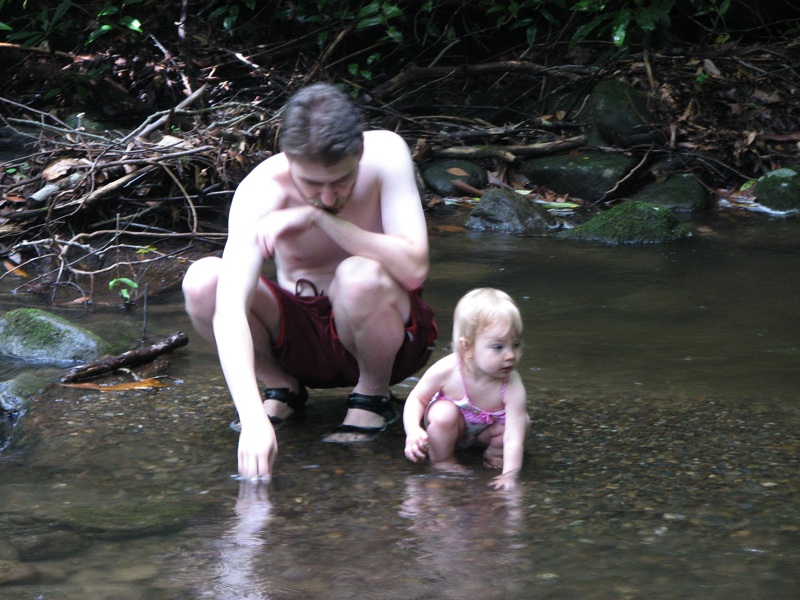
point(464, 383)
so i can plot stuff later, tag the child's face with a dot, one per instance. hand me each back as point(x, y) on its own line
point(496, 350)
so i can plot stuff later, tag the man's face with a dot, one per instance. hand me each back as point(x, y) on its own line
point(325, 187)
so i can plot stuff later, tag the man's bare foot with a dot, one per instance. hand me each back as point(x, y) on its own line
point(282, 404)
point(367, 417)
point(277, 410)
point(358, 426)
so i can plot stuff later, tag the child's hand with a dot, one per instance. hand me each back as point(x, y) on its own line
point(505, 482)
point(417, 445)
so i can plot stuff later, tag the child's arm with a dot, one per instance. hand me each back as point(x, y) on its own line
point(416, 404)
point(516, 430)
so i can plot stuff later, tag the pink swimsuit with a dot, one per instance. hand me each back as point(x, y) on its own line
point(476, 419)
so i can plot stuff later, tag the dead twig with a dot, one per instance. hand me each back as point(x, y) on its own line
point(138, 356)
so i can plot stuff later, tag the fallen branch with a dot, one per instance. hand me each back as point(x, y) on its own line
point(107, 364)
point(509, 153)
point(413, 73)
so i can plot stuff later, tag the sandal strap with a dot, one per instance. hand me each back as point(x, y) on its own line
point(374, 404)
point(380, 405)
point(295, 401)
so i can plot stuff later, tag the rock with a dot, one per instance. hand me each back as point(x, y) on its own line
point(14, 572)
point(439, 175)
point(504, 211)
point(680, 193)
point(632, 222)
point(588, 175)
point(117, 520)
point(619, 115)
point(16, 393)
point(37, 336)
point(779, 191)
point(48, 545)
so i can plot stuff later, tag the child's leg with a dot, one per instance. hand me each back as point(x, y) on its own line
point(445, 426)
point(492, 436)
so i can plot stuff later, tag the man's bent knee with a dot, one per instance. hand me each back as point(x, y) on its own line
point(200, 286)
point(362, 280)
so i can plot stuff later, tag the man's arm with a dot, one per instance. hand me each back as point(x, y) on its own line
point(242, 263)
point(402, 248)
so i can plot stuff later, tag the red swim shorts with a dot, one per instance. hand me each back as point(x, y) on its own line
point(310, 350)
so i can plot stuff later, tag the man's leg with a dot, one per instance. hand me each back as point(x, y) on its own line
point(200, 292)
point(370, 311)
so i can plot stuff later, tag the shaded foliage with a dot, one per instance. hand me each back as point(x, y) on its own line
point(91, 91)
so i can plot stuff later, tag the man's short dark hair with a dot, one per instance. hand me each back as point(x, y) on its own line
point(321, 124)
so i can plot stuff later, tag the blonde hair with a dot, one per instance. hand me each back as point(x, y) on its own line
point(482, 308)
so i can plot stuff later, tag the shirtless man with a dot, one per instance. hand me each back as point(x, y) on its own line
point(339, 212)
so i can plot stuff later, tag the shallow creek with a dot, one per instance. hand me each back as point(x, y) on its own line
point(663, 461)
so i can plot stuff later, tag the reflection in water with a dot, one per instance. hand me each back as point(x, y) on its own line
point(242, 544)
point(466, 533)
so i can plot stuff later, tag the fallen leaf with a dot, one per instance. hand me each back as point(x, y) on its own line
point(14, 269)
point(62, 167)
point(142, 384)
point(457, 171)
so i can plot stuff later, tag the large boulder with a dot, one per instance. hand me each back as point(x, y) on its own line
point(505, 211)
point(586, 175)
point(618, 115)
point(680, 193)
point(37, 336)
point(439, 175)
point(779, 191)
point(631, 222)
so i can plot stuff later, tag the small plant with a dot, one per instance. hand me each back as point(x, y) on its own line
point(230, 14)
point(110, 18)
point(357, 70)
point(40, 26)
point(125, 287)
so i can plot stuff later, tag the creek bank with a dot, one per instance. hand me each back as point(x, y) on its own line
point(625, 160)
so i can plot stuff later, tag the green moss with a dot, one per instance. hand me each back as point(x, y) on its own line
point(632, 222)
point(36, 325)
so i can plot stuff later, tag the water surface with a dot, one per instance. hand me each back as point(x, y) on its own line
point(662, 461)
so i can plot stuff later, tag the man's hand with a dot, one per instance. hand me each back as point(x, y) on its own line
point(281, 222)
point(257, 451)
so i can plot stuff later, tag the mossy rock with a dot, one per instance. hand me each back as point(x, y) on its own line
point(37, 336)
point(16, 393)
point(619, 115)
point(439, 175)
point(504, 211)
point(588, 175)
point(125, 519)
point(632, 222)
point(680, 193)
point(779, 191)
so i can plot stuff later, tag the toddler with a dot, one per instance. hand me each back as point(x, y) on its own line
point(474, 396)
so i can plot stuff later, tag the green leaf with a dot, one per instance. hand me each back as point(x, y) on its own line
point(369, 10)
point(123, 281)
point(103, 29)
point(131, 23)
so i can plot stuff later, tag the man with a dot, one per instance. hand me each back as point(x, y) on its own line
point(339, 212)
